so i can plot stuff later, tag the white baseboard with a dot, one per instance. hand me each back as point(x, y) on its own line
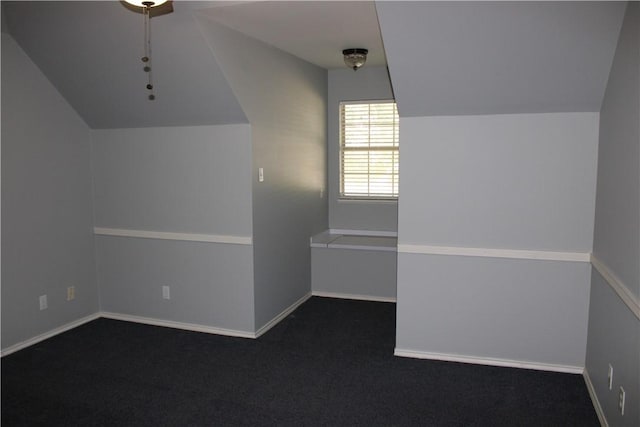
point(156, 322)
point(352, 296)
point(287, 311)
point(488, 361)
point(594, 399)
point(64, 328)
point(178, 325)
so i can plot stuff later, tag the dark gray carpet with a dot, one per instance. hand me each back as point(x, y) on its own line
point(330, 363)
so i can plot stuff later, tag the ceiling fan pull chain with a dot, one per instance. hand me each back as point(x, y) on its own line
point(146, 13)
point(145, 24)
point(146, 6)
point(150, 82)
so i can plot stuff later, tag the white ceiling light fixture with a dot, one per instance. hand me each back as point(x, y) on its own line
point(355, 58)
point(145, 8)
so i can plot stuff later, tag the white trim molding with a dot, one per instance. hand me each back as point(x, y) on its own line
point(178, 325)
point(494, 253)
point(365, 242)
point(38, 338)
point(594, 399)
point(157, 322)
point(488, 361)
point(353, 296)
point(372, 233)
point(287, 311)
point(165, 235)
point(618, 286)
point(360, 247)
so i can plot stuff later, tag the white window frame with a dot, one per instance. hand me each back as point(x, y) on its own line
point(395, 150)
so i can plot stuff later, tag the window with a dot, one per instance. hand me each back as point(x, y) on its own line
point(369, 150)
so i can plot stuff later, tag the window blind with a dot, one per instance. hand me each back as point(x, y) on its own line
point(369, 150)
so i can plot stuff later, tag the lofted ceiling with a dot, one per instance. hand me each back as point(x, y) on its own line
point(445, 58)
point(91, 52)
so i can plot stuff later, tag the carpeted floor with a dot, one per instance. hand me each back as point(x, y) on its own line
point(330, 363)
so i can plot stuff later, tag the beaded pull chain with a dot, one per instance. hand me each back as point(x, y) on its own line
point(146, 59)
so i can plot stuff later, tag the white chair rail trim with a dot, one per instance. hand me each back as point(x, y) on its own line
point(165, 235)
point(373, 233)
point(494, 253)
point(616, 284)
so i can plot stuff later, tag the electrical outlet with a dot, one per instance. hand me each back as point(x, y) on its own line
point(43, 302)
point(621, 397)
point(71, 293)
point(260, 174)
point(610, 377)
point(165, 293)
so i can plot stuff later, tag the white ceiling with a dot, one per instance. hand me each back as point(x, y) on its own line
point(316, 31)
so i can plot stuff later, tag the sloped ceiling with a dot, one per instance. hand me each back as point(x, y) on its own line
point(91, 52)
point(445, 58)
point(457, 58)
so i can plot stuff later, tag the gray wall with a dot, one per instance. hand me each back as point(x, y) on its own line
point(618, 196)
point(47, 240)
point(285, 100)
point(614, 332)
point(210, 284)
point(368, 83)
point(504, 181)
point(500, 182)
point(180, 180)
point(368, 274)
point(528, 311)
point(177, 179)
point(614, 338)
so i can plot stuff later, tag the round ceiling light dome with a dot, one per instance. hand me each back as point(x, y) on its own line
point(355, 58)
point(145, 3)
